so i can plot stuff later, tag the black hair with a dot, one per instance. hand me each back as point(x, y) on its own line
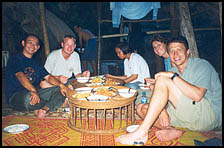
point(159, 38)
point(28, 35)
point(179, 39)
point(124, 47)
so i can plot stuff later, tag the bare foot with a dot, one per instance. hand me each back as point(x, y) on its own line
point(168, 134)
point(130, 138)
point(41, 113)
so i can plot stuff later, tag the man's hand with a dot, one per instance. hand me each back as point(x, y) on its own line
point(86, 73)
point(108, 76)
point(63, 89)
point(150, 82)
point(34, 98)
point(63, 79)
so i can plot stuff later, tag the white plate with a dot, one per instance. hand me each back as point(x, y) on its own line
point(16, 128)
point(132, 128)
point(83, 79)
point(97, 98)
point(83, 90)
point(126, 93)
point(142, 86)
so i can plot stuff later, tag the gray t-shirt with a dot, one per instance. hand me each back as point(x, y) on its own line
point(201, 73)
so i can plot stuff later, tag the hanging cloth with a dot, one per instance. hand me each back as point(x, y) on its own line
point(132, 10)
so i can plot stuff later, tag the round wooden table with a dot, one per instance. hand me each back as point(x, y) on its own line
point(116, 104)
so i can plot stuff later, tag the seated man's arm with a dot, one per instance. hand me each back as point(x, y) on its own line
point(51, 79)
point(131, 78)
point(116, 77)
point(194, 92)
point(28, 85)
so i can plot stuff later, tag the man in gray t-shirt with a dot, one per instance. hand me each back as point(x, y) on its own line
point(191, 89)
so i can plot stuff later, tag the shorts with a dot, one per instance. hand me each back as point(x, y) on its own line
point(196, 116)
point(90, 50)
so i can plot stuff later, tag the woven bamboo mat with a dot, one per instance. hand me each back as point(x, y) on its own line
point(55, 132)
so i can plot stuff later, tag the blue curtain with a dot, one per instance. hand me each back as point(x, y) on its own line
point(132, 10)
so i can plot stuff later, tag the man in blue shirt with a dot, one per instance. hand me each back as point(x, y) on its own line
point(23, 78)
point(193, 92)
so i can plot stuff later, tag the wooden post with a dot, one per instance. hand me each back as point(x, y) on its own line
point(186, 28)
point(44, 29)
point(220, 16)
point(175, 22)
point(99, 38)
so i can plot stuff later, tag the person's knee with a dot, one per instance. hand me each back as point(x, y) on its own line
point(162, 80)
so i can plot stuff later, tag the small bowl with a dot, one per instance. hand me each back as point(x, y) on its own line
point(83, 79)
point(132, 128)
point(125, 92)
point(83, 90)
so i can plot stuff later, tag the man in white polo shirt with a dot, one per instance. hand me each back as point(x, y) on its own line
point(62, 63)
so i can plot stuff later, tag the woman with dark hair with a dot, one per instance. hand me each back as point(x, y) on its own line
point(159, 46)
point(135, 67)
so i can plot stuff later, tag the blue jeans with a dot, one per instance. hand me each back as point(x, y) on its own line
point(49, 97)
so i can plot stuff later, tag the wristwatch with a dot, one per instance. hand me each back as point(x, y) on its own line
point(174, 75)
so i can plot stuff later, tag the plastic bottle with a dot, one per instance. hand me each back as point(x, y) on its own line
point(144, 98)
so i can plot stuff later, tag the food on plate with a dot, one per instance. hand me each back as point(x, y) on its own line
point(81, 95)
point(97, 80)
point(111, 82)
point(104, 91)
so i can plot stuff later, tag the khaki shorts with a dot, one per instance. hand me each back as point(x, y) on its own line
point(198, 116)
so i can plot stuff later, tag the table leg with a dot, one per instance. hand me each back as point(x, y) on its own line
point(112, 117)
point(87, 117)
point(75, 114)
point(80, 115)
point(95, 118)
point(127, 115)
point(133, 112)
point(120, 116)
point(104, 118)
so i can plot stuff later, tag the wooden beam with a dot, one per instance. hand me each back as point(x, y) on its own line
point(157, 31)
point(131, 21)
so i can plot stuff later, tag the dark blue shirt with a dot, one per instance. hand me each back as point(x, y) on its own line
point(32, 69)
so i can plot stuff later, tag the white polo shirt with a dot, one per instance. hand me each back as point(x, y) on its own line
point(57, 65)
point(136, 65)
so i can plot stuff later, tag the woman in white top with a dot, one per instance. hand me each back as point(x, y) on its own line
point(135, 67)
